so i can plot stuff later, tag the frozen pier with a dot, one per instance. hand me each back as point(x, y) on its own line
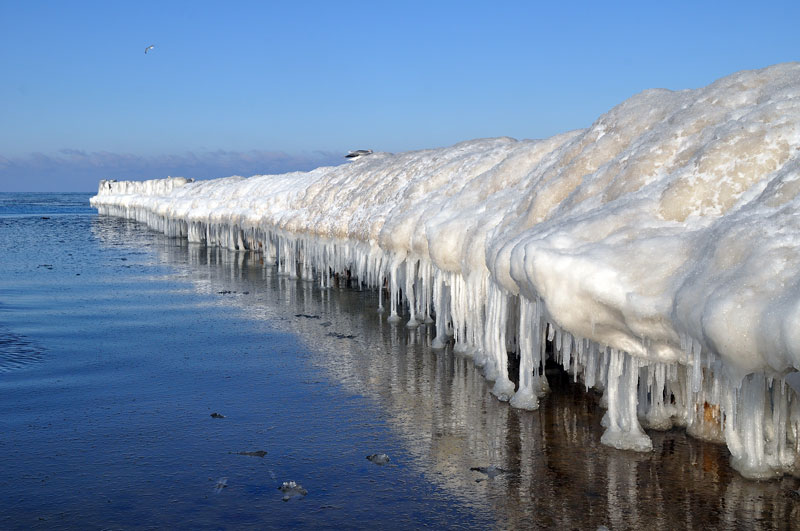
point(657, 252)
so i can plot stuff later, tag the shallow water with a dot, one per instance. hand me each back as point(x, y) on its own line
point(117, 345)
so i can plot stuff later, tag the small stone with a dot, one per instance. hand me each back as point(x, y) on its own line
point(257, 453)
point(378, 459)
point(222, 483)
point(491, 470)
point(291, 489)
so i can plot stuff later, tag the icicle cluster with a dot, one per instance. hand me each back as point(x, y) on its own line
point(758, 418)
point(655, 256)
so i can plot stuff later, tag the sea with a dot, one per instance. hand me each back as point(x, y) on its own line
point(149, 383)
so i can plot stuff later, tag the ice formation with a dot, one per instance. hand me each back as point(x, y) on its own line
point(657, 252)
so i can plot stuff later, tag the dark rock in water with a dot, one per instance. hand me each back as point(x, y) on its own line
point(45, 217)
point(216, 415)
point(491, 470)
point(378, 459)
point(340, 336)
point(222, 483)
point(290, 489)
point(326, 324)
point(257, 453)
point(307, 316)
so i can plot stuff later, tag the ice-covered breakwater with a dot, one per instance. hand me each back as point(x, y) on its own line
point(657, 252)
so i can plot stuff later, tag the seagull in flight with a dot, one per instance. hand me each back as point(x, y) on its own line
point(149, 48)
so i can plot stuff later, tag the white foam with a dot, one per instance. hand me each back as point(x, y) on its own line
point(661, 244)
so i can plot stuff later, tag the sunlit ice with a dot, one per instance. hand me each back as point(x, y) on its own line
point(656, 252)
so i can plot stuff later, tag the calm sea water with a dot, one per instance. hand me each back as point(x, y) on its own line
point(117, 345)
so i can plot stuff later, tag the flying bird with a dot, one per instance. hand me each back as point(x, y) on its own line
point(149, 48)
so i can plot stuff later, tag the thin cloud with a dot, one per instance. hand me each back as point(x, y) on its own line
point(79, 170)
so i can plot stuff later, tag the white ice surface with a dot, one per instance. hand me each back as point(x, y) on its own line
point(668, 231)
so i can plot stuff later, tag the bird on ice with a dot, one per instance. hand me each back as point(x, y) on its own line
point(358, 154)
point(149, 48)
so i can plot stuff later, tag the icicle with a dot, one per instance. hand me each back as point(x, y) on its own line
point(623, 430)
point(759, 417)
point(380, 297)
point(697, 373)
point(441, 301)
point(657, 415)
point(393, 294)
point(590, 372)
point(751, 460)
point(411, 275)
point(498, 302)
point(525, 397)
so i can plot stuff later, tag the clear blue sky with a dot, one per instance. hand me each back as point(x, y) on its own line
point(264, 87)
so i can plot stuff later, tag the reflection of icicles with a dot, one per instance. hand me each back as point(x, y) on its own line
point(447, 428)
point(758, 418)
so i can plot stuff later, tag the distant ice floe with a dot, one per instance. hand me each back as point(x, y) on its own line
point(657, 251)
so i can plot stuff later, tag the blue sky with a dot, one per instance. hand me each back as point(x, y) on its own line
point(267, 87)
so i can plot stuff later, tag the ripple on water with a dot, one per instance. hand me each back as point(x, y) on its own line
point(16, 351)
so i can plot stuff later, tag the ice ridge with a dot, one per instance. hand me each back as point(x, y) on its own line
point(657, 252)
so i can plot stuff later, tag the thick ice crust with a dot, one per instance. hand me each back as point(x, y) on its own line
point(657, 250)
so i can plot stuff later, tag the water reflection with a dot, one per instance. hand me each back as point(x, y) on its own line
point(550, 469)
point(17, 351)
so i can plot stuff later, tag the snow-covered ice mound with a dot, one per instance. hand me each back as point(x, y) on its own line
point(658, 251)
